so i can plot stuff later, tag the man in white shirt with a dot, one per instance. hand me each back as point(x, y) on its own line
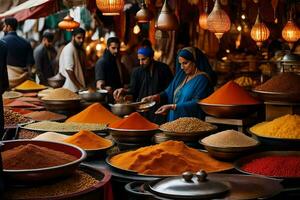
point(71, 61)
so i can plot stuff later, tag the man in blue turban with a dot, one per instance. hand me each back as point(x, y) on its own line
point(150, 78)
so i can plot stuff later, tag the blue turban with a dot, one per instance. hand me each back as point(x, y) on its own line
point(146, 51)
point(186, 55)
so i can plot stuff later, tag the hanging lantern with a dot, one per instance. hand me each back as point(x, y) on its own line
point(68, 23)
point(203, 20)
point(110, 7)
point(144, 15)
point(167, 20)
point(136, 29)
point(290, 33)
point(259, 31)
point(218, 21)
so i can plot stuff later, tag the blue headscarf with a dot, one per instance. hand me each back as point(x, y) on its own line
point(146, 51)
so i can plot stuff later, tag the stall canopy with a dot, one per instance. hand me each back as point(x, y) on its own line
point(32, 9)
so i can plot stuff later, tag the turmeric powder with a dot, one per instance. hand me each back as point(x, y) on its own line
point(287, 127)
point(167, 158)
point(30, 85)
point(88, 140)
point(95, 113)
point(134, 121)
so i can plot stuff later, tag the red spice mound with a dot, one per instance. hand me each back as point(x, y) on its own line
point(230, 94)
point(33, 157)
point(134, 121)
point(277, 166)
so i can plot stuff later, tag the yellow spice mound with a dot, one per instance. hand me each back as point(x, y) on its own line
point(88, 140)
point(287, 126)
point(30, 85)
point(61, 94)
point(167, 158)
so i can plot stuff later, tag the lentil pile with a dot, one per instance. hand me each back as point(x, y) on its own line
point(275, 165)
point(64, 127)
point(76, 183)
point(26, 134)
point(33, 157)
point(285, 127)
point(284, 82)
point(45, 115)
point(12, 118)
point(187, 125)
point(229, 138)
point(11, 95)
point(61, 94)
point(167, 158)
point(51, 136)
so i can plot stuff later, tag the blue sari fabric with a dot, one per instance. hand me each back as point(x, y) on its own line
point(188, 96)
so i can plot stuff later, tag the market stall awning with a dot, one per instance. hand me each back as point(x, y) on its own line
point(32, 9)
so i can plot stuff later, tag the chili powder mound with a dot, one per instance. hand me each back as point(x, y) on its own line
point(276, 165)
point(33, 157)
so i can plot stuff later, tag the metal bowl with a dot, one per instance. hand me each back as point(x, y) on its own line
point(56, 81)
point(97, 96)
point(277, 96)
point(132, 136)
point(229, 111)
point(122, 109)
point(101, 152)
point(36, 175)
point(67, 107)
point(228, 153)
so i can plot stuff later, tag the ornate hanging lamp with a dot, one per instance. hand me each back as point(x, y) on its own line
point(68, 23)
point(218, 21)
point(167, 20)
point(290, 32)
point(144, 15)
point(203, 16)
point(259, 31)
point(110, 7)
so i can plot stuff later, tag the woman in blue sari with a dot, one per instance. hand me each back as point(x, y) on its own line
point(194, 80)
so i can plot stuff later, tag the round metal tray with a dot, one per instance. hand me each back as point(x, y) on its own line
point(277, 96)
point(241, 162)
point(31, 90)
point(132, 136)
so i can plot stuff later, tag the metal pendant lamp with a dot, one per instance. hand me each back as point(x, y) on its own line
point(218, 21)
point(68, 23)
point(144, 15)
point(110, 7)
point(290, 32)
point(167, 20)
point(259, 31)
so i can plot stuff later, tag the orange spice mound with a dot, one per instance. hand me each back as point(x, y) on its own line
point(167, 158)
point(230, 94)
point(30, 85)
point(134, 121)
point(95, 113)
point(88, 140)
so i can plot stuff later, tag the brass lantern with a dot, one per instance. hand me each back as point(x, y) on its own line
point(167, 20)
point(68, 23)
point(259, 31)
point(144, 15)
point(203, 20)
point(110, 7)
point(290, 32)
point(218, 21)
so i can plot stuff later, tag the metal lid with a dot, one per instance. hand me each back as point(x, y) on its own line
point(290, 58)
point(189, 186)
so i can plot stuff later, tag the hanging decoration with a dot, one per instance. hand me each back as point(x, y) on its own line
point(167, 20)
point(218, 21)
point(136, 29)
point(203, 16)
point(290, 32)
point(274, 5)
point(259, 31)
point(110, 7)
point(68, 23)
point(144, 15)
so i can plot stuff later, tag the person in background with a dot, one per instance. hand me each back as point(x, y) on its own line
point(72, 61)
point(44, 55)
point(3, 81)
point(194, 80)
point(150, 78)
point(110, 73)
point(19, 54)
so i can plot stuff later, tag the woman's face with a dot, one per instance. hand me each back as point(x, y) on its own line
point(187, 66)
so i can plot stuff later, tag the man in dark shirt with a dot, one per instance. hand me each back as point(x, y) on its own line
point(3, 81)
point(151, 78)
point(19, 53)
point(109, 72)
point(44, 55)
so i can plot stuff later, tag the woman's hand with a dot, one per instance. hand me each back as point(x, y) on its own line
point(151, 98)
point(118, 93)
point(163, 110)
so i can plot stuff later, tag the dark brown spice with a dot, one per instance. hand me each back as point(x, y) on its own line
point(45, 115)
point(12, 118)
point(33, 157)
point(284, 82)
point(25, 134)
